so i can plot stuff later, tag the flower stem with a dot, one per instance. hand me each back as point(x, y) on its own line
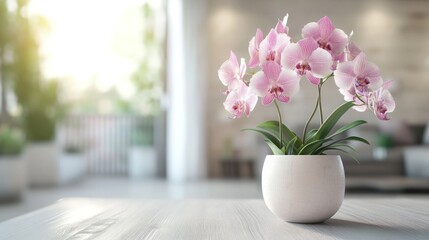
point(319, 96)
point(309, 120)
point(280, 123)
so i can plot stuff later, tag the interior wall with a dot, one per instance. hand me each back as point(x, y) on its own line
point(394, 34)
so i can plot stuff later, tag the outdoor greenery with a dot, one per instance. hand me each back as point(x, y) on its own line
point(11, 141)
point(37, 97)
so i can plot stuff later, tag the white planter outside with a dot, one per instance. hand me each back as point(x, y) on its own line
point(12, 175)
point(42, 163)
point(305, 188)
point(71, 168)
point(142, 162)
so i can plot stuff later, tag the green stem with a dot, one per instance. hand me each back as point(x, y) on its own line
point(319, 96)
point(280, 123)
point(309, 120)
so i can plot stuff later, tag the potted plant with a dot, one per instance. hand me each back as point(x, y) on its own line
point(71, 164)
point(39, 118)
point(11, 164)
point(301, 181)
point(142, 154)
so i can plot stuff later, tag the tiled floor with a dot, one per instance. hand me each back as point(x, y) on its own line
point(125, 188)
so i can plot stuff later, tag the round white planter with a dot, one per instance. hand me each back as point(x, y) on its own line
point(305, 188)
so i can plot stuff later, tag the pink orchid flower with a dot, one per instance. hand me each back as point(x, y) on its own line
point(273, 82)
point(254, 48)
point(240, 100)
point(307, 58)
point(281, 25)
point(231, 73)
point(364, 76)
point(361, 103)
point(352, 51)
point(382, 102)
point(272, 46)
point(328, 37)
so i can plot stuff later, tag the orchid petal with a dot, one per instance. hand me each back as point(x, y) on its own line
point(320, 62)
point(272, 39)
point(242, 67)
point(259, 84)
point(259, 36)
point(271, 70)
point(279, 27)
point(360, 63)
point(388, 101)
point(267, 99)
point(283, 98)
point(307, 45)
point(326, 27)
point(289, 80)
point(387, 84)
point(290, 56)
point(338, 41)
point(233, 59)
point(251, 102)
point(353, 51)
point(373, 74)
point(344, 75)
point(227, 73)
point(314, 80)
point(311, 30)
point(283, 40)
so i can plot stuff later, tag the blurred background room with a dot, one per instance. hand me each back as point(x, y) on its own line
point(121, 99)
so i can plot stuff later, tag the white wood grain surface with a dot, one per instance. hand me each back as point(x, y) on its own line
point(360, 218)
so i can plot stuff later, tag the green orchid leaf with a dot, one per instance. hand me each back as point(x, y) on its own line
point(348, 127)
point(309, 148)
point(357, 139)
point(330, 122)
point(267, 135)
point(274, 148)
point(310, 135)
point(273, 128)
point(290, 146)
point(344, 151)
point(342, 142)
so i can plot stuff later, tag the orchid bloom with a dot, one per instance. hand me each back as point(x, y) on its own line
point(254, 48)
point(273, 82)
point(361, 103)
point(352, 51)
point(281, 25)
point(328, 37)
point(364, 76)
point(272, 46)
point(307, 58)
point(382, 102)
point(231, 73)
point(240, 100)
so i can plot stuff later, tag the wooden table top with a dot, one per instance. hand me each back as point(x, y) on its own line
point(358, 218)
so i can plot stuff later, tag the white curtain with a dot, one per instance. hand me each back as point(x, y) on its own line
point(186, 155)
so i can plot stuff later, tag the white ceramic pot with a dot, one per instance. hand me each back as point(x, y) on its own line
point(305, 188)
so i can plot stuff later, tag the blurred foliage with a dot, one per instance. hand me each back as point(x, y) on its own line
point(143, 136)
point(11, 141)
point(148, 76)
point(37, 98)
point(384, 140)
